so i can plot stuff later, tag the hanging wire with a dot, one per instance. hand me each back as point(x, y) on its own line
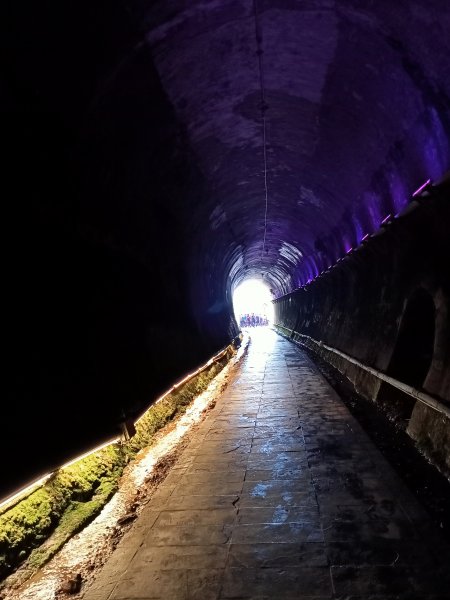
point(263, 107)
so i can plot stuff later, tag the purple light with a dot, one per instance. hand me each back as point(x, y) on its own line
point(365, 237)
point(386, 219)
point(349, 250)
point(422, 187)
point(372, 204)
point(358, 229)
point(399, 197)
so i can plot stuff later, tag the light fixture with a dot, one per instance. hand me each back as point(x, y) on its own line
point(422, 187)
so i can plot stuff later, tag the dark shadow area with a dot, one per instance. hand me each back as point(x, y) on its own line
point(427, 484)
point(413, 351)
point(412, 356)
point(96, 318)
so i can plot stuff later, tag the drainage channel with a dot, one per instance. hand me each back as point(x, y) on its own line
point(430, 487)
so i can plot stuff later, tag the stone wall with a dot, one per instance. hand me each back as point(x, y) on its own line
point(358, 307)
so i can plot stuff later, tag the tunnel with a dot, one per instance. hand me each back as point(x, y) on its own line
point(158, 154)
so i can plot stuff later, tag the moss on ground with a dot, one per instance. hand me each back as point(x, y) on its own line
point(66, 502)
point(34, 529)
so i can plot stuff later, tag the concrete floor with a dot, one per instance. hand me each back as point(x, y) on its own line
point(280, 495)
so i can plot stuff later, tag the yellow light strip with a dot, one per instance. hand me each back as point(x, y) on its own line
point(184, 380)
point(25, 490)
point(39, 482)
point(89, 452)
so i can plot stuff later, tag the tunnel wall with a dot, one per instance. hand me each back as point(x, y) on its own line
point(357, 308)
point(134, 188)
point(103, 292)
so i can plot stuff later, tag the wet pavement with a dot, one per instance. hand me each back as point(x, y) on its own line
point(281, 494)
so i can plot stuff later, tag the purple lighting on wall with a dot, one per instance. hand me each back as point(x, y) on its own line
point(399, 196)
point(358, 229)
point(372, 203)
point(422, 187)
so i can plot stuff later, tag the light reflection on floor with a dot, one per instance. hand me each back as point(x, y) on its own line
point(262, 340)
point(81, 549)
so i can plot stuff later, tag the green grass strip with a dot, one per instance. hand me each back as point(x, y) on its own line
point(34, 529)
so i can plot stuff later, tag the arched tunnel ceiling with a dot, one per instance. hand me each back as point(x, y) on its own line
point(336, 110)
point(306, 122)
point(139, 140)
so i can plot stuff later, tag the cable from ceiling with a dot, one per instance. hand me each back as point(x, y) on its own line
point(263, 106)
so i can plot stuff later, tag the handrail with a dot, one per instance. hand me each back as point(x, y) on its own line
point(404, 387)
point(35, 484)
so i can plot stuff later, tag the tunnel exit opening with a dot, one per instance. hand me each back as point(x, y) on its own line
point(252, 304)
point(412, 355)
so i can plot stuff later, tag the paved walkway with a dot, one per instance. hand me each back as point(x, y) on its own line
point(280, 495)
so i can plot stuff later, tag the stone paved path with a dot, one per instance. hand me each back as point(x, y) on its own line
point(280, 495)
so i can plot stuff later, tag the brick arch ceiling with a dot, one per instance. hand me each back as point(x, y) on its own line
point(158, 152)
point(309, 121)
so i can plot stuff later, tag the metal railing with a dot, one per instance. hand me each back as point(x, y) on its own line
point(404, 387)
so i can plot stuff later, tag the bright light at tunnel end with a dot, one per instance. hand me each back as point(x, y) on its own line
point(253, 296)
